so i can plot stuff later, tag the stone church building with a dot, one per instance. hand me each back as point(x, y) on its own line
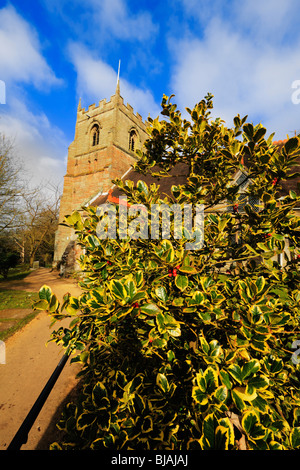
point(106, 138)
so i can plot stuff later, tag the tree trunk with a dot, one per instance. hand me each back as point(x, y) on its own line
point(31, 260)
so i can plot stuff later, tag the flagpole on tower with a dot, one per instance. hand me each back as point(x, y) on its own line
point(118, 79)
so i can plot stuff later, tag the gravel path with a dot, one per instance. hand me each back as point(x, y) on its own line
point(30, 363)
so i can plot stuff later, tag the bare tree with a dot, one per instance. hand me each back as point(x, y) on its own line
point(39, 223)
point(28, 215)
point(11, 185)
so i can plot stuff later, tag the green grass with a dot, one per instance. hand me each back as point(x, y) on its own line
point(18, 325)
point(17, 298)
point(11, 299)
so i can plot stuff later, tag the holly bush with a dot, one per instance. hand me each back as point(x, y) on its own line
point(190, 349)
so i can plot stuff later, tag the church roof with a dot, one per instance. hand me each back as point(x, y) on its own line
point(178, 176)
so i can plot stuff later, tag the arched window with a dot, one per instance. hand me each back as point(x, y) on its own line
point(95, 133)
point(132, 140)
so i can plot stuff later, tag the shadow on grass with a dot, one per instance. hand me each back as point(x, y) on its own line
point(15, 276)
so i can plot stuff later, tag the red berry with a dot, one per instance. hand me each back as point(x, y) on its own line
point(109, 263)
point(136, 305)
point(274, 181)
point(174, 272)
point(150, 340)
point(298, 256)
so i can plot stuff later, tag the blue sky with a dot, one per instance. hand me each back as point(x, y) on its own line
point(245, 52)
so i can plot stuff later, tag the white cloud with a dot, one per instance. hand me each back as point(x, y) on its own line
point(20, 52)
point(97, 80)
point(39, 145)
point(246, 75)
point(106, 19)
point(114, 16)
point(268, 20)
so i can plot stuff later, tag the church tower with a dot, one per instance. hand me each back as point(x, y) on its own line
point(106, 138)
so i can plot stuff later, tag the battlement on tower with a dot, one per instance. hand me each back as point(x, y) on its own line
point(105, 105)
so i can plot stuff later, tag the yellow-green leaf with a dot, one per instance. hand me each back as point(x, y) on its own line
point(221, 393)
point(181, 282)
point(252, 426)
point(199, 396)
point(85, 420)
point(150, 309)
point(162, 382)
point(45, 293)
point(242, 393)
point(41, 305)
point(53, 304)
point(161, 294)
point(295, 438)
point(118, 290)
